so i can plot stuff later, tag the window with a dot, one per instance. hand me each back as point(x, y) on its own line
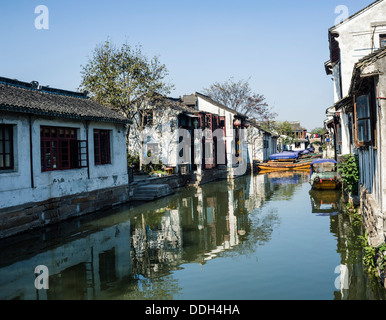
point(364, 133)
point(363, 118)
point(102, 147)
point(382, 40)
point(6, 147)
point(147, 117)
point(61, 150)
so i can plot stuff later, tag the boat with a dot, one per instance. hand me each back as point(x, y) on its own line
point(284, 156)
point(286, 165)
point(324, 175)
point(289, 160)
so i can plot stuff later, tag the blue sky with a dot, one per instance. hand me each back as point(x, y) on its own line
point(280, 45)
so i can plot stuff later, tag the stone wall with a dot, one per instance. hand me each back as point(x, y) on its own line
point(30, 216)
point(372, 218)
point(374, 223)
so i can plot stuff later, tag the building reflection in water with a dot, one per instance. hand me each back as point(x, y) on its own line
point(132, 252)
point(352, 282)
point(123, 253)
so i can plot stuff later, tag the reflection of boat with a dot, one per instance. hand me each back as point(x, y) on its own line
point(284, 177)
point(286, 180)
point(325, 203)
point(323, 174)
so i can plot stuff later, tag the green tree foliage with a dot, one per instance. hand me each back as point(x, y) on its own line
point(319, 131)
point(349, 170)
point(284, 128)
point(120, 76)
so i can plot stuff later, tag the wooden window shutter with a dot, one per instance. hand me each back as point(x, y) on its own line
point(355, 125)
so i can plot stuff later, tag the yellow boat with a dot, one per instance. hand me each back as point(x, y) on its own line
point(324, 175)
point(283, 165)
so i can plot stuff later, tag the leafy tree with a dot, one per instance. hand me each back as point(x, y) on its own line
point(238, 95)
point(349, 170)
point(284, 128)
point(122, 78)
point(318, 130)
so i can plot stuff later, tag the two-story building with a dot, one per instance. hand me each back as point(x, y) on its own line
point(233, 137)
point(358, 65)
point(349, 41)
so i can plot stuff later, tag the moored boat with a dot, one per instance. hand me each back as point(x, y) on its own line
point(289, 160)
point(277, 166)
point(324, 175)
point(284, 156)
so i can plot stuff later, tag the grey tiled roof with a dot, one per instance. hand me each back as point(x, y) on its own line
point(362, 64)
point(22, 97)
point(210, 100)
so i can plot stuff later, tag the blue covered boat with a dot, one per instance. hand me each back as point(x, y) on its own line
point(285, 155)
point(324, 175)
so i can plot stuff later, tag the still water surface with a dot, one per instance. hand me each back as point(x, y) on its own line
point(256, 237)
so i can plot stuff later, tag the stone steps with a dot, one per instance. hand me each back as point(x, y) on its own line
point(147, 192)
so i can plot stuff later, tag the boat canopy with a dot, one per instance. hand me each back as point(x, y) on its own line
point(284, 155)
point(322, 160)
point(304, 151)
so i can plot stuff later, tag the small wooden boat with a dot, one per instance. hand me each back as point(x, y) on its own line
point(284, 156)
point(324, 175)
point(289, 160)
point(283, 165)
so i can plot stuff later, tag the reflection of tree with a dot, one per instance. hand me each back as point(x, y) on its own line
point(155, 248)
point(258, 233)
point(351, 252)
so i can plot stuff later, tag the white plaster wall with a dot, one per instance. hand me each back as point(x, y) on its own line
point(15, 186)
point(381, 134)
point(255, 144)
point(160, 133)
point(206, 106)
point(355, 39)
point(302, 146)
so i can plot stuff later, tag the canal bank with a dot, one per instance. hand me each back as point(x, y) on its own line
point(255, 237)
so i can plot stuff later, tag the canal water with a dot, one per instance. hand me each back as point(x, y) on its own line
point(257, 237)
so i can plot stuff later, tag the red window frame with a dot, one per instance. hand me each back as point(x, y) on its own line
point(102, 153)
point(61, 150)
point(6, 147)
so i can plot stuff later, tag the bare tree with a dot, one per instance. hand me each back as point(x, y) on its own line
point(238, 95)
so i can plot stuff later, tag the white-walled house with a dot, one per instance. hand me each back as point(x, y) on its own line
point(358, 67)
point(365, 104)
point(166, 123)
point(61, 155)
point(352, 39)
point(233, 125)
point(261, 143)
